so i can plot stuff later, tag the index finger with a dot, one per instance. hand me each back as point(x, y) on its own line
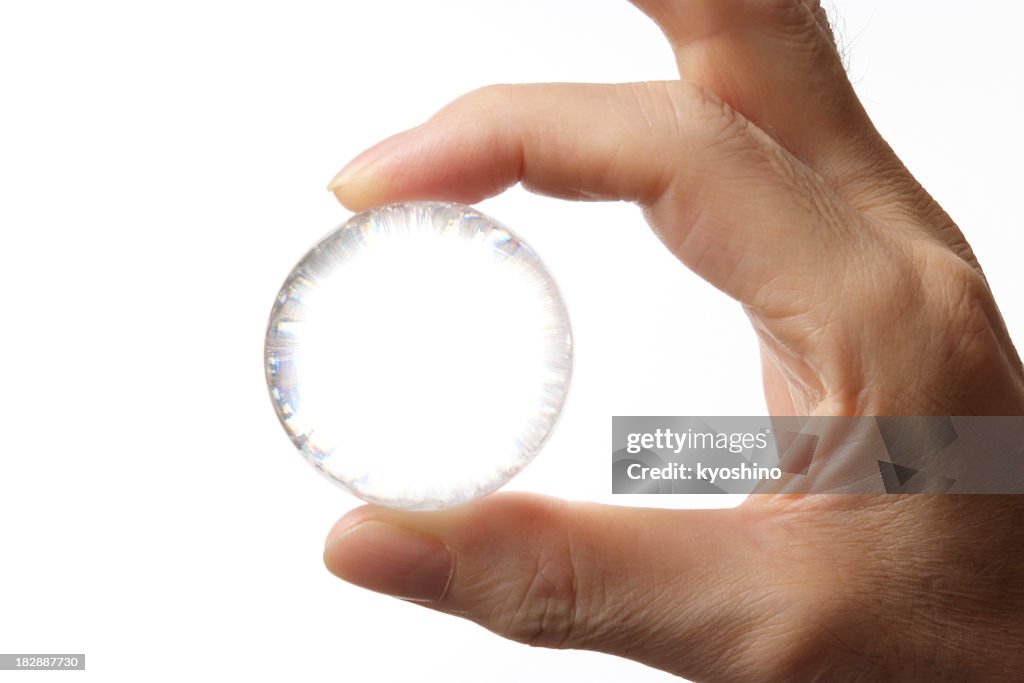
point(725, 198)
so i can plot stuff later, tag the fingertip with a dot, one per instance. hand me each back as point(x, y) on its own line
point(363, 182)
point(348, 521)
point(390, 559)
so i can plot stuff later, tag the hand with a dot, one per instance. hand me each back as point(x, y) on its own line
point(761, 171)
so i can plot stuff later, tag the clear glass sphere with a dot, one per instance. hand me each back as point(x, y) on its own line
point(419, 355)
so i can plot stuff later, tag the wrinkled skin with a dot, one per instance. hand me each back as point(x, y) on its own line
point(760, 171)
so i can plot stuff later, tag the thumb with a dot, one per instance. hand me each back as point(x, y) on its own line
point(672, 589)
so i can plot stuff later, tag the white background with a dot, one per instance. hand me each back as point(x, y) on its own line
point(162, 167)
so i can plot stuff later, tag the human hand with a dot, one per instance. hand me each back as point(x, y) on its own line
point(761, 171)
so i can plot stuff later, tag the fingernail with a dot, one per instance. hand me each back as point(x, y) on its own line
point(389, 559)
point(355, 187)
point(361, 175)
point(350, 171)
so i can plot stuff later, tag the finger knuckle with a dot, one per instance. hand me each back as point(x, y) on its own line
point(709, 126)
point(543, 611)
point(483, 100)
point(963, 303)
point(555, 597)
point(715, 119)
point(966, 294)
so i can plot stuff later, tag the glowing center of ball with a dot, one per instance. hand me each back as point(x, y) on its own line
point(419, 355)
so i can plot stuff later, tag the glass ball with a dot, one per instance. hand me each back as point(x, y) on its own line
point(419, 355)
